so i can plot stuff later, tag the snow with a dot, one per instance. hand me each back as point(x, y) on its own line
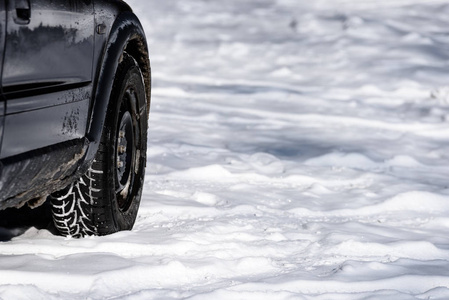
point(297, 150)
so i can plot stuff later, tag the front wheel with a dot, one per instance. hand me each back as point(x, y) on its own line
point(106, 199)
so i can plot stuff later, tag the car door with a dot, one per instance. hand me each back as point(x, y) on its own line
point(47, 72)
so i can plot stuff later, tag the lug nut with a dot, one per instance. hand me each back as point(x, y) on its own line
point(119, 164)
point(121, 149)
point(121, 134)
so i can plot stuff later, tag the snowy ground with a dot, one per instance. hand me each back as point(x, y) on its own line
point(297, 150)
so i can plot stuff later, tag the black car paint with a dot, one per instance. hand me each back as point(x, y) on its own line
point(48, 51)
point(54, 118)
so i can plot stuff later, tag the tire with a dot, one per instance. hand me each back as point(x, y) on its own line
point(106, 199)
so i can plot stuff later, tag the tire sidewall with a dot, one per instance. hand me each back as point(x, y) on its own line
point(128, 76)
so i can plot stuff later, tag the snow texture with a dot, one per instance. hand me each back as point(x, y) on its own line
point(297, 150)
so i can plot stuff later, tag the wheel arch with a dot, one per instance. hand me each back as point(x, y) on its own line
point(126, 34)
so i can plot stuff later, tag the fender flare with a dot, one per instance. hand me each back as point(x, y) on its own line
point(128, 35)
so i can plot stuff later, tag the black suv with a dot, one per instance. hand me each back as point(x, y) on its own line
point(74, 104)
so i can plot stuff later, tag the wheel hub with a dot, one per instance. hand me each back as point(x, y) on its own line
point(124, 156)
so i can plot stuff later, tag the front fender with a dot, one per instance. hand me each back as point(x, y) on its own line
point(126, 34)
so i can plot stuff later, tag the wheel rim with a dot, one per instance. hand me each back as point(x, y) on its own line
point(125, 155)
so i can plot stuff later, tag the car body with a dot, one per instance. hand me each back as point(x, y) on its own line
point(59, 62)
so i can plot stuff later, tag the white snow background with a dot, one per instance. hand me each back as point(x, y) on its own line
point(297, 150)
